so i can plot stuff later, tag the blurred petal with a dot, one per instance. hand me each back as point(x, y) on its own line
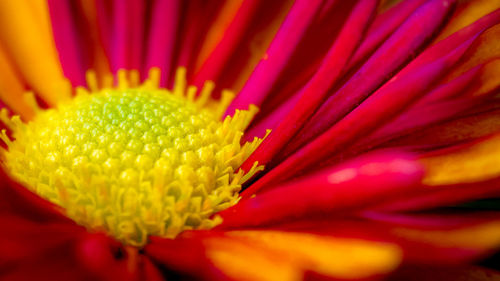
point(66, 39)
point(268, 255)
point(434, 273)
point(12, 88)
point(22, 39)
point(451, 238)
point(467, 13)
point(471, 163)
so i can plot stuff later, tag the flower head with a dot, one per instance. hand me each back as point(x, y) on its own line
point(248, 140)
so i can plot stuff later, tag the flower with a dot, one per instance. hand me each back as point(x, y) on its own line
point(384, 139)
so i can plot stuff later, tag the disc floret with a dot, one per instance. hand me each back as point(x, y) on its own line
point(134, 162)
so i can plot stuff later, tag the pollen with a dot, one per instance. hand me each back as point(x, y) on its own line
point(137, 161)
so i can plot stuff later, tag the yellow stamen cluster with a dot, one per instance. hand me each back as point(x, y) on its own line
point(134, 162)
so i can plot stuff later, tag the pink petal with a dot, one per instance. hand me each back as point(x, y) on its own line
point(347, 187)
point(317, 88)
point(267, 71)
point(67, 43)
point(162, 37)
point(379, 108)
point(214, 64)
point(383, 26)
point(387, 59)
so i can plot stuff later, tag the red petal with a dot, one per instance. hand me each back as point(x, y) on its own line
point(351, 186)
point(213, 65)
point(317, 88)
point(260, 83)
point(185, 254)
point(387, 59)
point(383, 26)
point(434, 273)
point(19, 201)
point(379, 108)
point(438, 239)
point(68, 45)
point(164, 21)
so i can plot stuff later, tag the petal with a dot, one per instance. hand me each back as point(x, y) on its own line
point(484, 49)
point(185, 254)
point(435, 197)
point(390, 57)
point(350, 186)
point(67, 41)
point(162, 37)
point(451, 238)
point(128, 25)
point(12, 88)
point(34, 52)
point(379, 108)
point(19, 201)
point(434, 273)
point(213, 65)
point(271, 257)
point(471, 163)
point(467, 13)
point(383, 26)
point(479, 123)
point(281, 49)
point(317, 88)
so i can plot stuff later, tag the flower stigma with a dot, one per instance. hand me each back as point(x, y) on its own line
point(134, 161)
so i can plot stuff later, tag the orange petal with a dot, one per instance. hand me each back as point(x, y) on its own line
point(287, 256)
point(32, 52)
point(477, 162)
point(11, 88)
point(484, 49)
point(489, 77)
point(467, 13)
point(482, 236)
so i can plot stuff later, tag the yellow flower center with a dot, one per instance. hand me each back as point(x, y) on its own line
point(133, 162)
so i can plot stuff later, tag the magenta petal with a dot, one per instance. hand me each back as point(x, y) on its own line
point(317, 88)
point(214, 64)
point(162, 36)
point(379, 108)
point(65, 37)
point(347, 187)
point(437, 196)
point(104, 23)
point(128, 22)
point(383, 26)
point(286, 40)
point(428, 111)
point(388, 58)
